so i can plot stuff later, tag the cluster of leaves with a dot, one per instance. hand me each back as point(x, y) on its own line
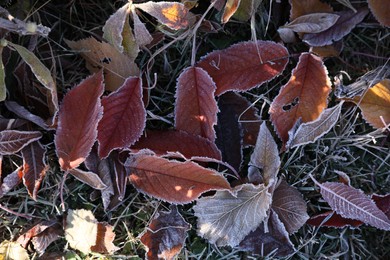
point(100, 134)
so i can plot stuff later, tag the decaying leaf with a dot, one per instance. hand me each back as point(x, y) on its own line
point(12, 141)
point(310, 132)
point(78, 118)
point(354, 204)
point(383, 203)
point(162, 142)
point(273, 240)
point(114, 26)
point(173, 15)
point(265, 156)
point(172, 181)
point(231, 7)
point(347, 21)
point(332, 219)
point(246, 9)
point(117, 66)
point(381, 10)
point(303, 7)
point(196, 108)
point(104, 239)
point(166, 234)
point(141, 34)
point(375, 104)
point(312, 23)
point(245, 65)
point(124, 117)
point(304, 96)
point(12, 250)
point(89, 178)
point(290, 207)
point(34, 167)
point(11, 181)
point(229, 216)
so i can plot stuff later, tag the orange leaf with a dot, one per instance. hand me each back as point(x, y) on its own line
point(230, 8)
point(381, 10)
point(304, 96)
point(172, 181)
point(376, 104)
point(302, 7)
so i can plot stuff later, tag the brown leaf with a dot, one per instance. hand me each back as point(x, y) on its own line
point(196, 109)
point(124, 117)
point(265, 156)
point(347, 21)
point(382, 202)
point(381, 10)
point(141, 34)
point(290, 207)
point(245, 65)
point(304, 96)
point(332, 50)
point(271, 240)
point(231, 7)
point(166, 234)
point(104, 239)
point(303, 7)
point(12, 141)
point(49, 235)
point(89, 178)
point(78, 118)
point(332, 219)
point(375, 104)
point(173, 15)
point(114, 26)
point(34, 167)
point(229, 216)
point(117, 66)
point(162, 142)
point(312, 23)
point(172, 181)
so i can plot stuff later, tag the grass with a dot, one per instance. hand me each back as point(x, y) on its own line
point(351, 146)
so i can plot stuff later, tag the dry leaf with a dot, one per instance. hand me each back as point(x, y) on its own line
point(12, 251)
point(229, 216)
point(104, 239)
point(117, 66)
point(141, 34)
point(89, 178)
point(303, 7)
point(304, 96)
point(114, 26)
point(231, 7)
point(335, 220)
point(312, 23)
point(12, 141)
point(246, 9)
point(381, 10)
point(375, 104)
point(11, 181)
point(3, 87)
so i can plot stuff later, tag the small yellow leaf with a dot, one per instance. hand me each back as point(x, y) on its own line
point(375, 104)
point(12, 250)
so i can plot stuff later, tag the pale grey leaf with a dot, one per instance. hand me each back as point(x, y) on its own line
point(287, 35)
point(226, 218)
point(290, 207)
point(113, 28)
point(266, 155)
point(309, 132)
point(90, 178)
point(141, 34)
point(313, 23)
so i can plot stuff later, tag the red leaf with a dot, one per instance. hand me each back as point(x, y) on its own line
point(245, 65)
point(34, 167)
point(334, 221)
point(353, 203)
point(123, 119)
point(196, 109)
point(172, 181)
point(189, 145)
point(78, 118)
point(383, 203)
point(12, 141)
point(304, 96)
point(165, 236)
point(104, 239)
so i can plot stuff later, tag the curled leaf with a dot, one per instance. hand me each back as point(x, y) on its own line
point(231, 7)
point(114, 26)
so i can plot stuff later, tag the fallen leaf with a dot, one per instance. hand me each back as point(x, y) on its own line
point(22, 112)
point(272, 240)
point(34, 167)
point(265, 156)
point(290, 207)
point(332, 219)
point(3, 87)
point(303, 7)
point(141, 34)
point(104, 239)
point(229, 216)
point(380, 9)
point(311, 131)
point(245, 65)
point(162, 142)
point(195, 108)
point(332, 50)
point(382, 202)
point(12, 250)
point(12, 141)
point(354, 204)
point(89, 178)
point(173, 15)
point(117, 66)
point(11, 181)
point(78, 118)
point(81, 230)
point(129, 43)
point(114, 26)
point(172, 181)
point(11, 123)
point(104, 172)
point(312, 23)
point(246, 9)
point(165, 236)
point(124, 117)
point(375, 104)
point(231, 7)
point(304, 96)
point(347, 21)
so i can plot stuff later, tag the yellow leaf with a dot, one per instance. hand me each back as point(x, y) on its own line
point(12, 250)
